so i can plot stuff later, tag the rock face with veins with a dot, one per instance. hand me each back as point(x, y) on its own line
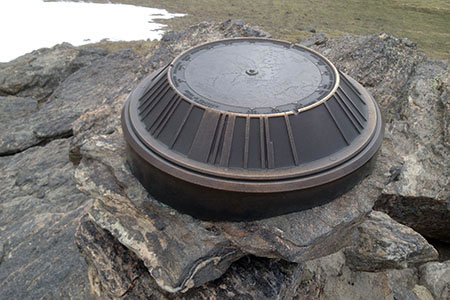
point(63, 166)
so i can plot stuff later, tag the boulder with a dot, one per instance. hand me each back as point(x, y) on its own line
point(412, 91)
point(248, 278)
point(116, 272)
point(422, 293)
point(339, 282)
point(419, 194)
point(40, 205)
point(38, 73)
point(16, 136)
point(383, 243)
point(95, 84)
point(331, 277)
point(182, 252)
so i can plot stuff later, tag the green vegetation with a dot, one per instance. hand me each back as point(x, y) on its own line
point(426, 22)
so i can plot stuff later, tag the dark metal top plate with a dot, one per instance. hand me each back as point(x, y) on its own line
point(253, 76)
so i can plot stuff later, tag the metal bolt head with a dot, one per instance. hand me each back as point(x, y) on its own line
point(251, 72)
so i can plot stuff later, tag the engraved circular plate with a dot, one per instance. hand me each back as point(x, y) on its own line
point(253, 76)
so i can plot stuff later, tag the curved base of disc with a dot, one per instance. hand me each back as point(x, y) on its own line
point(217, 205)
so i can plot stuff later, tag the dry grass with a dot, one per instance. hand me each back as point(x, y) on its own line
point(426, 22)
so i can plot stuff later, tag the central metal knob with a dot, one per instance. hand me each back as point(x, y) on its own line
point(251, 72)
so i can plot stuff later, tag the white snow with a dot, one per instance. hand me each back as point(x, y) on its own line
point(26, 25)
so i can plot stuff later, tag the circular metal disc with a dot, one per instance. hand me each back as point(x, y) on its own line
point(248, 128)
point(258, 76)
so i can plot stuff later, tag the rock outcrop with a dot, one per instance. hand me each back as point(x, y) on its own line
point(382, 243)
point(61, 134)
point(40, 208)
point(80, 92)
point(419, 195)
point(39, 73)
point(181, 252)
point(412, 91)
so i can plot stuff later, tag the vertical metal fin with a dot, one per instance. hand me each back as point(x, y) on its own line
point(154, 102)
point(161, 71)
point(339, 101)
point(291, 140)
point(337, 124)
point(203, 140)
point(262, 142)
point(351, 102)
point(181, 126)
point(247, 138)
point(269, 145)
point(217, 139)
point(154, 89)
point(166, 115)
point(228, 139)
point(351, 86)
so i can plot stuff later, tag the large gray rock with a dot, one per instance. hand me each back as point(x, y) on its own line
point(16, 136)
point(249, 278)
point(38, 73)
point(412, 91)
point(336, 281)
point(419, 195)
point(40, 207)
point(331, 278)
point(117, 272)
point(436, 277)
point(181, 252)
point(95, 84)
point(383, 243)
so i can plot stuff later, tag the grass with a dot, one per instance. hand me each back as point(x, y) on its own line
point(426, 22)
point(140, 47)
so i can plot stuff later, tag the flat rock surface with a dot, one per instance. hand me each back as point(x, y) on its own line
point(31, 123)
point(40, 207)
point(38, 73)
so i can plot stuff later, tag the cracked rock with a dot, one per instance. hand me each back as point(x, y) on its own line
point(383, 243)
